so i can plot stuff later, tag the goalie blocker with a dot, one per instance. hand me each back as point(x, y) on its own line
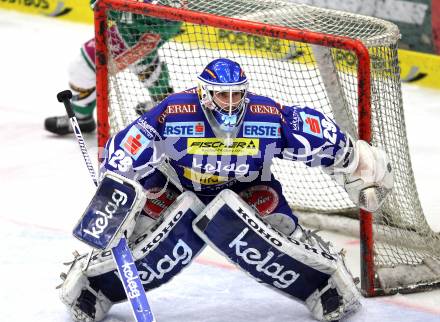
point(307, 271)
point(112, 212)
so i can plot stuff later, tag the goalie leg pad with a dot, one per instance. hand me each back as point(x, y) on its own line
point(233, 228)
point(160, 253)
point(336, 300)
point(291, 266)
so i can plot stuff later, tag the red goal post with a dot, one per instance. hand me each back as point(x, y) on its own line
point(369, 281)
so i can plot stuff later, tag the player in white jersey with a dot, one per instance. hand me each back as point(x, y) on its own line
point(128, 32)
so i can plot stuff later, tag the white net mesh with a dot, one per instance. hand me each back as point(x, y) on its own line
point(324, 78)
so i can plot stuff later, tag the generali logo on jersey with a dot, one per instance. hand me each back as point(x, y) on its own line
point(264, 109)
point(177, 109)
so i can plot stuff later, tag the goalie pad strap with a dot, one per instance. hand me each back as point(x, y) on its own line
point(232, 227)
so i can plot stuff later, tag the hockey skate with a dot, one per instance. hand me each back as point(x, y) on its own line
point(143, 107)
point(61, 124)
point(85, 304)
point(340, 298)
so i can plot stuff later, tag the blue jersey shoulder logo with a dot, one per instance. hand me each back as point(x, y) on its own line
point(134, 142)
point(311, 124)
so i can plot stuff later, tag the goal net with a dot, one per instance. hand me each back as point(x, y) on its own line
point(342, 64)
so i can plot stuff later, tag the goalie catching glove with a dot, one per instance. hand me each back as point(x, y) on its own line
point(369, 176)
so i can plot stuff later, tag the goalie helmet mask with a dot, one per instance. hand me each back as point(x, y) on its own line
point(222, 92)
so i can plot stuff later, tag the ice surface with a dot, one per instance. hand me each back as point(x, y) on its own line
point(45, 187)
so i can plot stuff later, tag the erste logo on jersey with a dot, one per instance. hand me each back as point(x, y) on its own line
point(177, 109)
point(261, 130)
point(134, 142)
point(311, 124)
point(184, 129)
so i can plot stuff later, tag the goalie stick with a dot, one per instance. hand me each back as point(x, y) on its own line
point(121, 253)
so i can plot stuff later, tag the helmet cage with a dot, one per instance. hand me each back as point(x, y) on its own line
point(212, 101)
point(227, 115)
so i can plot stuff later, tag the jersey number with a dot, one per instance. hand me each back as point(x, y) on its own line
point(120, 161)
point(329, 131)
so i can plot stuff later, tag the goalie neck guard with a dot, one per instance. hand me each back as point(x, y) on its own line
point(222, 92)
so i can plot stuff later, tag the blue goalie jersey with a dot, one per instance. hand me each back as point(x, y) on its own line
point(177, 129)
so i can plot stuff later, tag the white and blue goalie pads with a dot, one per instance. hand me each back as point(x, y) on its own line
point(299, 269)
point(160, 252)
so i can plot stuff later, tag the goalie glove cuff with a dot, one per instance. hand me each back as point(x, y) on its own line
point(346, 162)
